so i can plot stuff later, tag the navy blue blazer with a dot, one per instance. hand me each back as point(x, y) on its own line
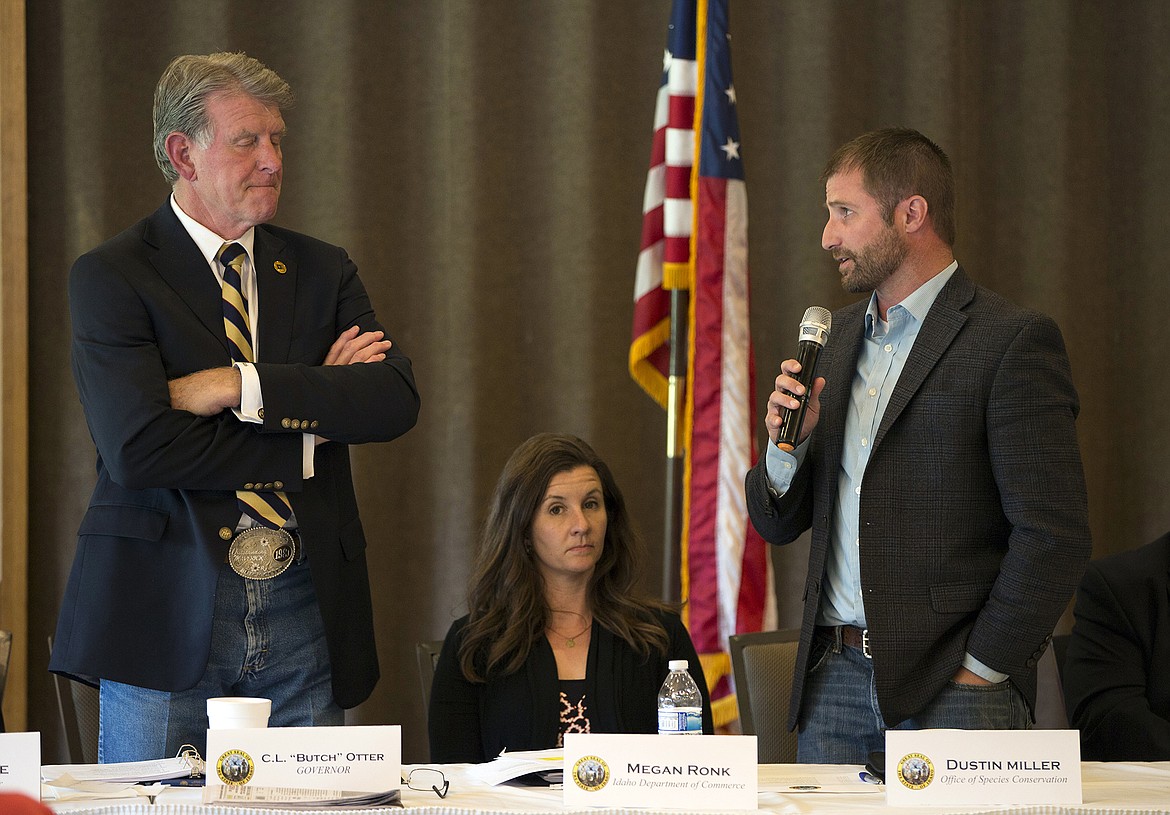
point(146, 309)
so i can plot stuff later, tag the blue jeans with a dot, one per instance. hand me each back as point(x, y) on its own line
point(841, 722)
point(267, 640)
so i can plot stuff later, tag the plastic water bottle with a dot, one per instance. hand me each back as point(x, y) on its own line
point(680, 705)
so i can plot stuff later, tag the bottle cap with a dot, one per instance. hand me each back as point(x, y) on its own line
point(677, 665)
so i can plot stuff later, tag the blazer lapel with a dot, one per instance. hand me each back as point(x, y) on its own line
point(276, 283)
point(938, 331)
point(178, 261)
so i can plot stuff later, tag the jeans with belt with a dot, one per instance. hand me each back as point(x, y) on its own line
point(841, 722)
point(267, 640)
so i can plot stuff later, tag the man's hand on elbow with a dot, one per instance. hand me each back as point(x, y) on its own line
point(352, 346)
point(206, 393)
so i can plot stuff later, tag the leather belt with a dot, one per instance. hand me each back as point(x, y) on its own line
point(849, 635)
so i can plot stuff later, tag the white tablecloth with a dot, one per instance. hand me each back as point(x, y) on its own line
point(1108, 789)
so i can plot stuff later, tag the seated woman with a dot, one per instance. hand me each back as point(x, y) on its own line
point(557, 640)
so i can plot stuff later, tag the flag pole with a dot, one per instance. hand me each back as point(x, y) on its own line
point(675, 454)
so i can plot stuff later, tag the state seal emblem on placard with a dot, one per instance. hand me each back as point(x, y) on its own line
point(590, 773)
point(235, 767)
point(915, 771)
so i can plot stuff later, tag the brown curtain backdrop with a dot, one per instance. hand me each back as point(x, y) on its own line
point(483, 162)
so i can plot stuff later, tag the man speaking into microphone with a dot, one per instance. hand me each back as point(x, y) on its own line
point(937, 465)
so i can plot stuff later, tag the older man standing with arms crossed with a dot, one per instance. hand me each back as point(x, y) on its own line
point(224, 365)
point(939, 470)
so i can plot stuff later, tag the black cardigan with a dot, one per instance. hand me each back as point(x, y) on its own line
point(474, 722)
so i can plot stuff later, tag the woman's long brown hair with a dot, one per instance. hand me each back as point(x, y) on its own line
point(508, 613)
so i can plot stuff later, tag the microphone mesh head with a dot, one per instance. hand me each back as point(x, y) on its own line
point(815, 325)
point(818, 315)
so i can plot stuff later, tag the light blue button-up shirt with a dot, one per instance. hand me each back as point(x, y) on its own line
point(882, 357)
point(883, 354)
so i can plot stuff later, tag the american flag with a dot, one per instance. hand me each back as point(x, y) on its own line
point(667, 215)
point(694, 235)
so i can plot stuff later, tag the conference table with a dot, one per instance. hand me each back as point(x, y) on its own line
point(1114, 788)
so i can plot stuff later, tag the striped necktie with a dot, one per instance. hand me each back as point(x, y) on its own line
point(268, 507)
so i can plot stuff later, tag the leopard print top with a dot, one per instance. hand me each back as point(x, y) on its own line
point(574, 714)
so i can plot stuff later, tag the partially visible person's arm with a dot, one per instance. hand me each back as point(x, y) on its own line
point(1105, 677)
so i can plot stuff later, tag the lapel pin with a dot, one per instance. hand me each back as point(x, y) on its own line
point(280, 267)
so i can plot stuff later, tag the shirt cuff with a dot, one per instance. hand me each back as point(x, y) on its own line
point(252, 404)
point(251, 399)
point(979, 669)
point(782, 466)
point(308, 451)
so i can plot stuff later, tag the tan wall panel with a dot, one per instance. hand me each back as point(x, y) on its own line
point(14, 360)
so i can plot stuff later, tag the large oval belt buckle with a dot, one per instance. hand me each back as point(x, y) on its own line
point(260, 553)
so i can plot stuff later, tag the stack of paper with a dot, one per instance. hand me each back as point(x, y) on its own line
point(285, 798)
point(74, 782)
point(131, 772)
point(545, 764)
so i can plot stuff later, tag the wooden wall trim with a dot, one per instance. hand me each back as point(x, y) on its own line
point(14, 414)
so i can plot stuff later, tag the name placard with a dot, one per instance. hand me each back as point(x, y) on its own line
point(673, 772)
point(953, 767)
point(351, 759)
point(20, 763)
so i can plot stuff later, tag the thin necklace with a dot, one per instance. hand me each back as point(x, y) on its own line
point(571, 642)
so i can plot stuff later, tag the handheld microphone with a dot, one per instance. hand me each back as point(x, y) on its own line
point(814, 333)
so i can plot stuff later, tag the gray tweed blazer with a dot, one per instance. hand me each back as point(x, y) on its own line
point(973, 518)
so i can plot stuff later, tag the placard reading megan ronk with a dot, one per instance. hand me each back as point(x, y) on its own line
point(677, 772)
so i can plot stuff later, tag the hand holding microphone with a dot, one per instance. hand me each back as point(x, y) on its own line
point(797, 392)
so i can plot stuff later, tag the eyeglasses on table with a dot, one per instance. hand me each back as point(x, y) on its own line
point(421, 779)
